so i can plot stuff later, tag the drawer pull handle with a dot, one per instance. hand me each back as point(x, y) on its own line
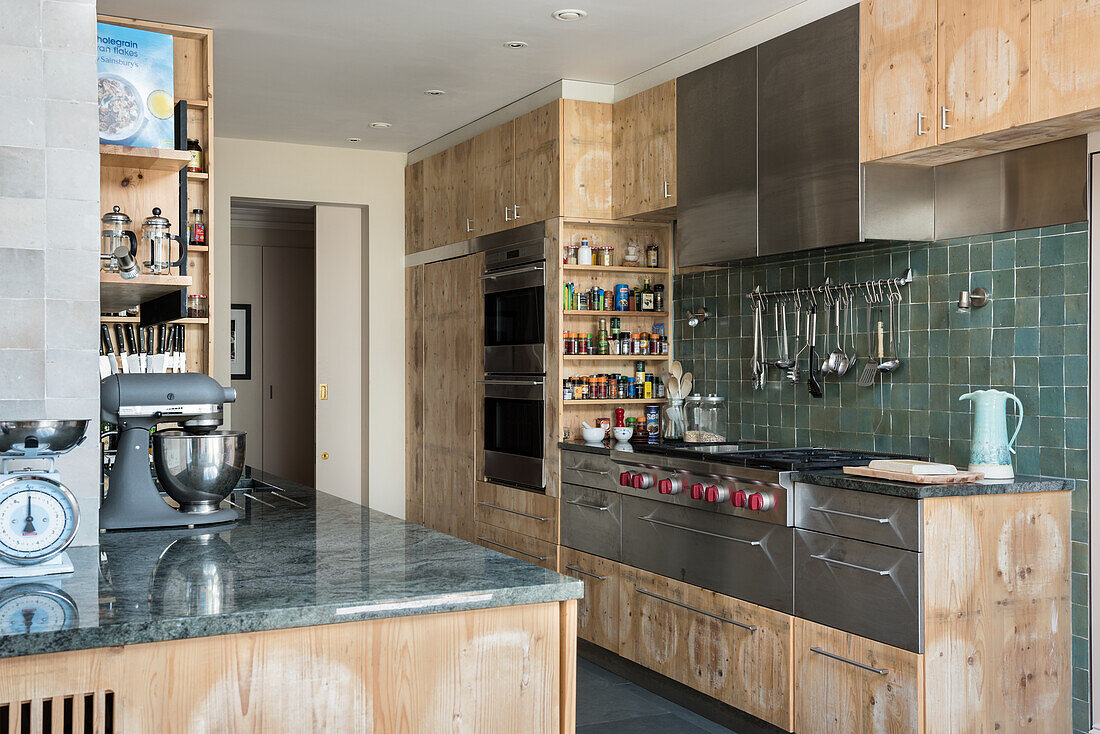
point(868, 668)
point(699, 532)
point(585, 573)
point(514, 512)
point(749, 627)
point(590, 471)
point(517, 550)
point(835, 562)
point(585, 505)
point(854, 516)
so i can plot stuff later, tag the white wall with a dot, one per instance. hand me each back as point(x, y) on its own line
point(306, 173)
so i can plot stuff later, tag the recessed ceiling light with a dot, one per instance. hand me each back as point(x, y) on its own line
point(353, 140)
point(380, 124)
point(570, 14)
point(434, 92)
point(515, 44)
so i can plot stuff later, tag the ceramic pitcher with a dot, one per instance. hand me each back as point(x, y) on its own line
point(990, 447)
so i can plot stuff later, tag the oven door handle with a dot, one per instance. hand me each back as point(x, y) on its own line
point(506, 273)
point(699, 532)
point(834, 562)
point(511, 382)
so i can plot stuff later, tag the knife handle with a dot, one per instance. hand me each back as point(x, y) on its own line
point(120, 334)
point(105, 340)
point(182, 337)
point(160, 338)
point(131, 339)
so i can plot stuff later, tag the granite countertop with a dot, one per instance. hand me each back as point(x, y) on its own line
point(295, 558)
point(834, 478)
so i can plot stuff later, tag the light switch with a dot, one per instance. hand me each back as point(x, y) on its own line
point(324, 391)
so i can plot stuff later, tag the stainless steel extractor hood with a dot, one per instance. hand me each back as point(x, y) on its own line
point(768, 161)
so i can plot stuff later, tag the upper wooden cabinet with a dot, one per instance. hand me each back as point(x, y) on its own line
point(943, 80)
point(494, 179)
point(538, 163)
point(414, 207)
point(644, 176)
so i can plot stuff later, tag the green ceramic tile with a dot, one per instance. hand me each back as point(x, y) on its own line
point(1027, 281)
point(1027, 341)
point(1076, 247)
point(1052, 340)
point(959, 342)
point(1077, 402)
point(1051, 371)
point(1077, 467)
point(1027, 311)
point(1027, 252)
point(1003, 344)
point(1052, 311)
point(1004, 254)
point(980, 372)
point(1053, 229)
point(980, 342)
point(1076, 370)
point(1051, 251)
point(1077, 227)
point(1026, 370)
point(938, 315)
point(1076, 339)
point(1051, 403)
point(1076, 278)
point(981, 255)
point(1077, 309)
point(958, 258)
point(1000, 371)
point(1052, 280)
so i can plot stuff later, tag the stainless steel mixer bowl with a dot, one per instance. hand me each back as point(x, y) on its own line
point(55, 436)
point(198, 470)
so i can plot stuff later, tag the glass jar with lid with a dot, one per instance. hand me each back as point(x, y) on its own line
point(706, 419)
point(115, 233)
point(196, 306)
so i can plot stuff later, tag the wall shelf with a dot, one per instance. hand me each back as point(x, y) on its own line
point(117, 294)
point(609, 401)
point(618, 314)
point(137, 320)
point(192, 176)
point(614, 269)
point(615, 358)
point(150, 159)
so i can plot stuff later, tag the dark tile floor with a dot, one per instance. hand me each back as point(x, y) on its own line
point(608, 704)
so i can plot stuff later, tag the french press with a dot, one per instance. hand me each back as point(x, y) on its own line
point(116, 234)
point(156, 231)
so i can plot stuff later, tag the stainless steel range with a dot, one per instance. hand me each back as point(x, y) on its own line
point(722, 521)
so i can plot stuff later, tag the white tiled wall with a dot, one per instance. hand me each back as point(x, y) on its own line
point(49, 227)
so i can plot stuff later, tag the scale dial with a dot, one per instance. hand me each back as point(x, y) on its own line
point(30, 608)
point(38, 519)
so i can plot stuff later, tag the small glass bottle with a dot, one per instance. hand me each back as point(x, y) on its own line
point(652, 255)
point(195, 165)
point(196, 227)
point(584, 253)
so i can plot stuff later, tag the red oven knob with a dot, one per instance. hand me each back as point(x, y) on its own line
point(697, 491)
point(643, 481)
point(740, 499)
point(761, 502)
point(674, 485)
point(717, 494)
point(626, 479)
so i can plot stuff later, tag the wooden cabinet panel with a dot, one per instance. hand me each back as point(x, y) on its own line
point(438, 203)
point(984, 58)
point(846, 683)
point(587, 142)
point(528, 513)
point(514, 544)
point(414, 395)
point(461, 191)
point(494, 182)
point(414, 208)
point(897, 77)
point(1065, 67)
point(644, 157)
point(736, 652)
point(598, 611)
point(538, 178)
point(452, 342)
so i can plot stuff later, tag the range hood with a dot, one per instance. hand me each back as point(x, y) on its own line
point(768, 161)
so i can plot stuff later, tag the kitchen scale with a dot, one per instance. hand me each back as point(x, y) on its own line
point(39, 516)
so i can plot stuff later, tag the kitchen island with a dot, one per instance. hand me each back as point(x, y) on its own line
point(309, 613)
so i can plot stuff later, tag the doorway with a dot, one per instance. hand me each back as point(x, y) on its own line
point(273, 292)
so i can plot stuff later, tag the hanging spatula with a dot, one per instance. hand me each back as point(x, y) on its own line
point(867, 378)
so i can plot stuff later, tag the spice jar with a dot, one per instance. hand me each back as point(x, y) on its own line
point(196, 306)
point(604, 253)
point(652, 255)
point(196, 227)
point(195, 165)
point(571, 254)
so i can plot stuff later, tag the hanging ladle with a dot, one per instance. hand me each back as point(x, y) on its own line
point(891, 364)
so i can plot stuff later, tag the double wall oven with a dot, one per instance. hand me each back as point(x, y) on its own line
point(514, 402)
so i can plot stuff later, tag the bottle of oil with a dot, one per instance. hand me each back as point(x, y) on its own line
point(647, 296)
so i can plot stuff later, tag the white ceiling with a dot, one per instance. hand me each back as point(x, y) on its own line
point(319, 72)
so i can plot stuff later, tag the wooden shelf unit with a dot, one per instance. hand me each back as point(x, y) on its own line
point(616, 233)
point(118, 294)
point(137, 179)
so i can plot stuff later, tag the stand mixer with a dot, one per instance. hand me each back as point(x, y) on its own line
point(197, 477)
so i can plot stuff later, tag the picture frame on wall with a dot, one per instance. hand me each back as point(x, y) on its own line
point(240, 341)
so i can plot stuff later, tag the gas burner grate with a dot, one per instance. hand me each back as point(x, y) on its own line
point(795, 459)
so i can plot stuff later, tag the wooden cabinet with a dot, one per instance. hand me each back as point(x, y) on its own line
point(846, 683)
point(897, 76)
point(1065, 70)
point(443, 330)
point(414, 208)
point(598, 612)
point(644, 155)
point(494, 181)
point(517, 545)
point(734, 651)
point(538, 175)
point(448, 198)
point(984, 57)
point(528, 513)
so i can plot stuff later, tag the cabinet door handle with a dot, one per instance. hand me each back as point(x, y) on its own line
point(515, 211)
point(699, 532)
point(868, 668)
point(749, 627)
point(854, 516)
point(667, 195)
point(578, 503)
point(920, 124)
point(514, 512)
point(589, 471)
point(834, 562)
point(943, 117)
point(582, 572)
point(468, 227)
point(508, 547)
point(506, 217)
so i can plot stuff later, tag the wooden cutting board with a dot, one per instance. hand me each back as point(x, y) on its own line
point(963, 477)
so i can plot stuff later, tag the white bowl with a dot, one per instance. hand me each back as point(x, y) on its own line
point(594, 434)
point(623, 433)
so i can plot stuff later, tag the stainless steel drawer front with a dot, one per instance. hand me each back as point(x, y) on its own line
point(591, 521)
point(867, 589)
point(588, 470)
point(743, 558)
point(875, 518)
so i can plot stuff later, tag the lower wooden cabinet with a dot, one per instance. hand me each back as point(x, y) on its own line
point(736, 652)
point(846, 683)
point(598, 611)
point(517, 545)
point(527, 513)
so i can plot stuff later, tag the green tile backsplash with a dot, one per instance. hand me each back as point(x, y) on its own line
point(1031, 340)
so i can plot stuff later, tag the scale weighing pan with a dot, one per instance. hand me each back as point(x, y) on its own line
point(30, 438)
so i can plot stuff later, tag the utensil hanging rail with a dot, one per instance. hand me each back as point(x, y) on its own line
point(828, 289)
